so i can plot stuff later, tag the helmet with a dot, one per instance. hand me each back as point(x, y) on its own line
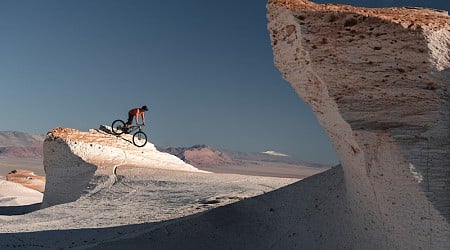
point(144, 108)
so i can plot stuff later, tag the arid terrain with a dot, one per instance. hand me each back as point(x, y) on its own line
point(133, 199)
point(127, 203)
point(378, 81)
point(8, 164)
point(257, 164)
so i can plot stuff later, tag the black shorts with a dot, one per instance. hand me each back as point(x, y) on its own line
point(130, 119)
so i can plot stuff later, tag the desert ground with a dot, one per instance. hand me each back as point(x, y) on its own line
point(132, 201)
point(124, 198)
point(274, 169)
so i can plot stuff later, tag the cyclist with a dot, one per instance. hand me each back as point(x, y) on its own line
point(136, 112)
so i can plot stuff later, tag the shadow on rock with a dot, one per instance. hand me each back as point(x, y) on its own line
point(19, 210)
point(67, 174)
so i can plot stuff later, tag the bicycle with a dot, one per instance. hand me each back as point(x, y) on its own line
point(139, 137)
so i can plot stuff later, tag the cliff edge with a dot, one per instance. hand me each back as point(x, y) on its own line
point(72, 158)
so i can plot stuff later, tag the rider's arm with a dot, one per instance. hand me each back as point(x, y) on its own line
point(143, 117)
point(136, 117)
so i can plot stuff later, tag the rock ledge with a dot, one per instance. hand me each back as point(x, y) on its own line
point(72, 158)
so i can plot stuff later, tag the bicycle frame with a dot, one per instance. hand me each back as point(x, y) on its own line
point(133, 128)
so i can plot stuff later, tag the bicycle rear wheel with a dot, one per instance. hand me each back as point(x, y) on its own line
point(117, 127)
point(139, 139)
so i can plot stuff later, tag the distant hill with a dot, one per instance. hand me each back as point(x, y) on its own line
point(200, 155)
point(203, 155)
point(265, 157)
point(20, 144)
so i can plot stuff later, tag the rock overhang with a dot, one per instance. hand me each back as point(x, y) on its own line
point(378, 81)
point(73, 157)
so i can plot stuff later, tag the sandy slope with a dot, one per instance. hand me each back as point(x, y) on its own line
point(144, 211)
point(14, 194)
point(292, 217)
point(135, 201)
point(132, 192)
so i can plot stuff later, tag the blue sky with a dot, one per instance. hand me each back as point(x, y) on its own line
point(204, 68)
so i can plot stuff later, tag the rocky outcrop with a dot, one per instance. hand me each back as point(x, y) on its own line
point(27, 178)
point(72, 158)
point(378, 81)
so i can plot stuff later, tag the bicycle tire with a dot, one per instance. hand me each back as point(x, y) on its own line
point(117, 127)
point(139, 139)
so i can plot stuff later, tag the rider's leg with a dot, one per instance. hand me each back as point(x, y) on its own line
point(129, 122)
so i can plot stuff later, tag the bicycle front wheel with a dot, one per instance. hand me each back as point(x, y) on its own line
point(139, 139)
point(117, 127)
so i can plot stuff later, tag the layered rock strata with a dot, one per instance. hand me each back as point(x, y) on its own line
point(378, 82)
point(72, 158)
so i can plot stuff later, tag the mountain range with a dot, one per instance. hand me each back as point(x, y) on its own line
point(20, 144)
point(204, 155)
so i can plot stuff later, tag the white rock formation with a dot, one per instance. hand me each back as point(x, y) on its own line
point(378, 81)
point(72, 158)
point(15, 194)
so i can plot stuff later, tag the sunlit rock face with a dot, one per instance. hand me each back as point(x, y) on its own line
point(378, 81)
point(72, 158)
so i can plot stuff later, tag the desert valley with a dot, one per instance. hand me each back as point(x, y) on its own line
point(378, 81)
point(125, 195)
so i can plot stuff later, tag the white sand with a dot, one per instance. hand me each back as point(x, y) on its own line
point(135, 201)
point(14, 194)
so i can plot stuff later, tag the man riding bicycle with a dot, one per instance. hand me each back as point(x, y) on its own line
point(135, 113)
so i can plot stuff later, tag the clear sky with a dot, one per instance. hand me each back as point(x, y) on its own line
point(203, 67)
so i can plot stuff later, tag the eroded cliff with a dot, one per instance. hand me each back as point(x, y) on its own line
point(72, 158)
point(378, 82)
